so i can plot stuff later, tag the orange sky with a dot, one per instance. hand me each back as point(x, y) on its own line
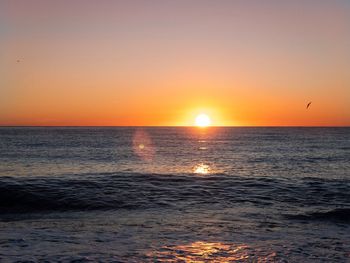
point(162, 62)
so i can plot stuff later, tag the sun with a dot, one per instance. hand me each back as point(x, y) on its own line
point(202, 120)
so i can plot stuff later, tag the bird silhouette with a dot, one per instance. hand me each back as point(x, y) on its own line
point(308, 105)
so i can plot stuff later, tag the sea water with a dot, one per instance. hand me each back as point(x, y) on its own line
point(160, 194)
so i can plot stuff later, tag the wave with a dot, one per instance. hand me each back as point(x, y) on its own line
point(47, 194)
point(112, 191)
point(338, 214)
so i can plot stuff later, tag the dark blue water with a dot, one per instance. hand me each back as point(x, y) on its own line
point(175, 194)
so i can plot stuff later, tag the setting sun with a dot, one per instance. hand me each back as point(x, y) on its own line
point(202, 120)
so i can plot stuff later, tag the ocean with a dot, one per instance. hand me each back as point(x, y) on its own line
point(174, 194)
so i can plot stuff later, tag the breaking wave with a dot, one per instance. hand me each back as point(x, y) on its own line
point(134, 191)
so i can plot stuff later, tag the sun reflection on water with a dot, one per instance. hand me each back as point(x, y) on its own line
point(218, 252)
point(201, 169)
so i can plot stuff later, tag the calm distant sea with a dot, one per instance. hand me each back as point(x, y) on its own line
point(143, 194)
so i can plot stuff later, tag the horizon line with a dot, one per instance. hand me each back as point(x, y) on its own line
point(175, 126)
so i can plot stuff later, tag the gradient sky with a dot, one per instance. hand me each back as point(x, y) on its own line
point(161, 62)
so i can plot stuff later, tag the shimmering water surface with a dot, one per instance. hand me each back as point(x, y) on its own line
point(175, 194)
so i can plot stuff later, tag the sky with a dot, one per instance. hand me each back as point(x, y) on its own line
point(162, 62)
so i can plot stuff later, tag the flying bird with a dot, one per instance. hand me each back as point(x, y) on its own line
point(308, 105)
